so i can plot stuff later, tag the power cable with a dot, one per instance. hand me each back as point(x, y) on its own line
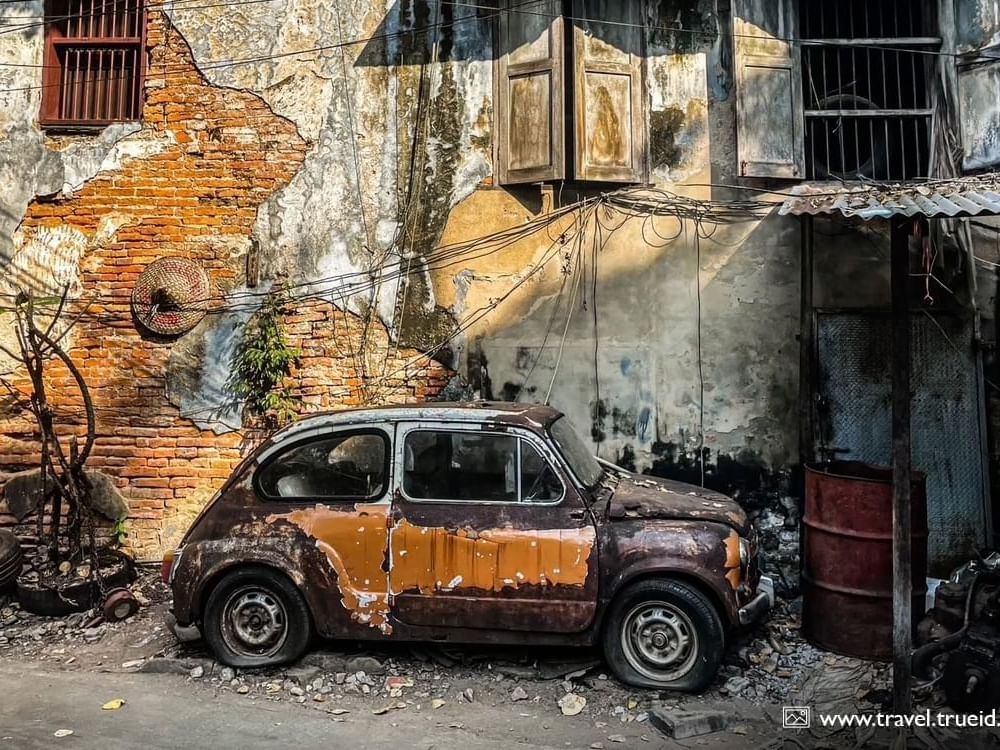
point(520, 10)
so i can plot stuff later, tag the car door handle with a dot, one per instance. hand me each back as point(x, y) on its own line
point(576, 515)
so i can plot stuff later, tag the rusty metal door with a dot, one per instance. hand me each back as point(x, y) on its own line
point(854, 417)
point(475, 550)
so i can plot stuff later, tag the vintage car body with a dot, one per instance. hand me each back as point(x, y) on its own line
point(539, 565)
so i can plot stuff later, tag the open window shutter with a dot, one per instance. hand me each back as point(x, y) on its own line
point(610, 124)
point(530, 102)
point(978, 44)
point(769, 119)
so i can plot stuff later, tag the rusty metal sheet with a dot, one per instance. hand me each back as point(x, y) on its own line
point(961, 197)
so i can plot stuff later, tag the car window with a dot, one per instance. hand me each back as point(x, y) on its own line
point(477, 467)
point(539, 482)
point(460, 466)
point(576, 453)
point(348, 467)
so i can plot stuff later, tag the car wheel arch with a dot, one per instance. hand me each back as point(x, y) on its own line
point(679, 574)
point(217, 574)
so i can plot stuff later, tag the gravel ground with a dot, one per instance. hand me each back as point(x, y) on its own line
point(764, 668)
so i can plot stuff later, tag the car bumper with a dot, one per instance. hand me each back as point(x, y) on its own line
point(184, 633)
point(761, 604)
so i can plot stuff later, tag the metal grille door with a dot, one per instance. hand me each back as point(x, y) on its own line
point(855, 406)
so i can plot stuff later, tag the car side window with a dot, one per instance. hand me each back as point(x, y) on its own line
point(345, 467)
point(539, 482)
point(476, 467)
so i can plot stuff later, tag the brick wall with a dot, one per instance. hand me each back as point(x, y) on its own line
point(230, 153)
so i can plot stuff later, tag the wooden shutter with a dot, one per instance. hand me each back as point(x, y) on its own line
point(978, 43)
point(769, 119)
point(609, 114)
point(530, 102)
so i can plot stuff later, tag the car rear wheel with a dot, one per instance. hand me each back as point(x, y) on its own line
point(256, 617)
point(664, 634)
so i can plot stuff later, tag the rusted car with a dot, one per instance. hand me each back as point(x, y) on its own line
point(469, 523)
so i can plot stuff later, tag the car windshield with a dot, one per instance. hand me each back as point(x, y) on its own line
point(576, 452)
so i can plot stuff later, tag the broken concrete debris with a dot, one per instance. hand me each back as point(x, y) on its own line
point(681, 724)
point(571, 704)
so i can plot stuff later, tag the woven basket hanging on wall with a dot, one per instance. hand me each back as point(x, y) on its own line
point(171, 296)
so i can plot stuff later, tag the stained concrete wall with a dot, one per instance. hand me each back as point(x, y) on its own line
point(695, 340)
point(695, 343)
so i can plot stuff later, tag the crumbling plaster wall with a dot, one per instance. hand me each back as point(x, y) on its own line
point(221, 154)
point(695, 342)
point(696, 339)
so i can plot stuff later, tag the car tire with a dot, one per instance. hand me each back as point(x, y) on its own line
point(256, 617)
point(664, 634)
point(11, 558)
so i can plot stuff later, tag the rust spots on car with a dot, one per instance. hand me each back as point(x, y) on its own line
point(733, 570)
point(354, 541)
point(433, 559)
point(436, 559)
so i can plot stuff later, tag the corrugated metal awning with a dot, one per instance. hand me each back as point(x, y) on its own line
point(961, 197)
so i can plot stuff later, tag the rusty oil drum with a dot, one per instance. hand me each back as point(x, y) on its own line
point(847, 557)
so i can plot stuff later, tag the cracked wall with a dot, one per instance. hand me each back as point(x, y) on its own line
point(219, 155)
point(356, 147)
point(687, 337)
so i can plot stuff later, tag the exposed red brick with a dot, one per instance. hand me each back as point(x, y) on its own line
point(209, 184)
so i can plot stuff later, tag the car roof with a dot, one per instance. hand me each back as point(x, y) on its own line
point(501, 412)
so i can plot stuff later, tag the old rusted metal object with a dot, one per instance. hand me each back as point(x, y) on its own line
point(847, 557)
point(502, 553)
point(119, 605)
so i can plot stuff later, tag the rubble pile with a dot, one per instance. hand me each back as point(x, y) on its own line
point(778, 521)
point(770, 661)
point(61, 639)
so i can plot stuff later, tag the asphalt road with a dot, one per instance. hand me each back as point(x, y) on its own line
point(164, 711)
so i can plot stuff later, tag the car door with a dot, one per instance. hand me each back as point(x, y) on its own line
point(487, 532)
point(334, 486)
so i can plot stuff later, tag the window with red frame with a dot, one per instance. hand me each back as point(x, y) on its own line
point(94, 62)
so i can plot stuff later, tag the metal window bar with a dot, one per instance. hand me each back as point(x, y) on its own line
point(100, 84)
point(866, 101)
point(97, 49)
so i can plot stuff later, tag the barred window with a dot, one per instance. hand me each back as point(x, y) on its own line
point(837, 90)
point(94, 62)
point(864, 83)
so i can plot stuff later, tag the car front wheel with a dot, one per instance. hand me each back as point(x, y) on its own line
point(256, 617)
point(664, 634)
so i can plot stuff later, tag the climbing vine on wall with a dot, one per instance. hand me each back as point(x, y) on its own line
point(262, 363)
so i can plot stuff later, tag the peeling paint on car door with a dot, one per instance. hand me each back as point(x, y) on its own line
point(479, 563)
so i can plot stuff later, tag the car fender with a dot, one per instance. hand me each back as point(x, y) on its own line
point(702, 554)
point(714, 587)
point(202, 564)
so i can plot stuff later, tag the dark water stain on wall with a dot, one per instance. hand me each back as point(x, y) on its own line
point(598, 420)
point(742, 475)
point(664, 130)
point(683, 26)
point(431, 161)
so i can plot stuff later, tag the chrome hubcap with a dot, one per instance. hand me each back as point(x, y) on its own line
point(255, 622)
point(659, 641)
